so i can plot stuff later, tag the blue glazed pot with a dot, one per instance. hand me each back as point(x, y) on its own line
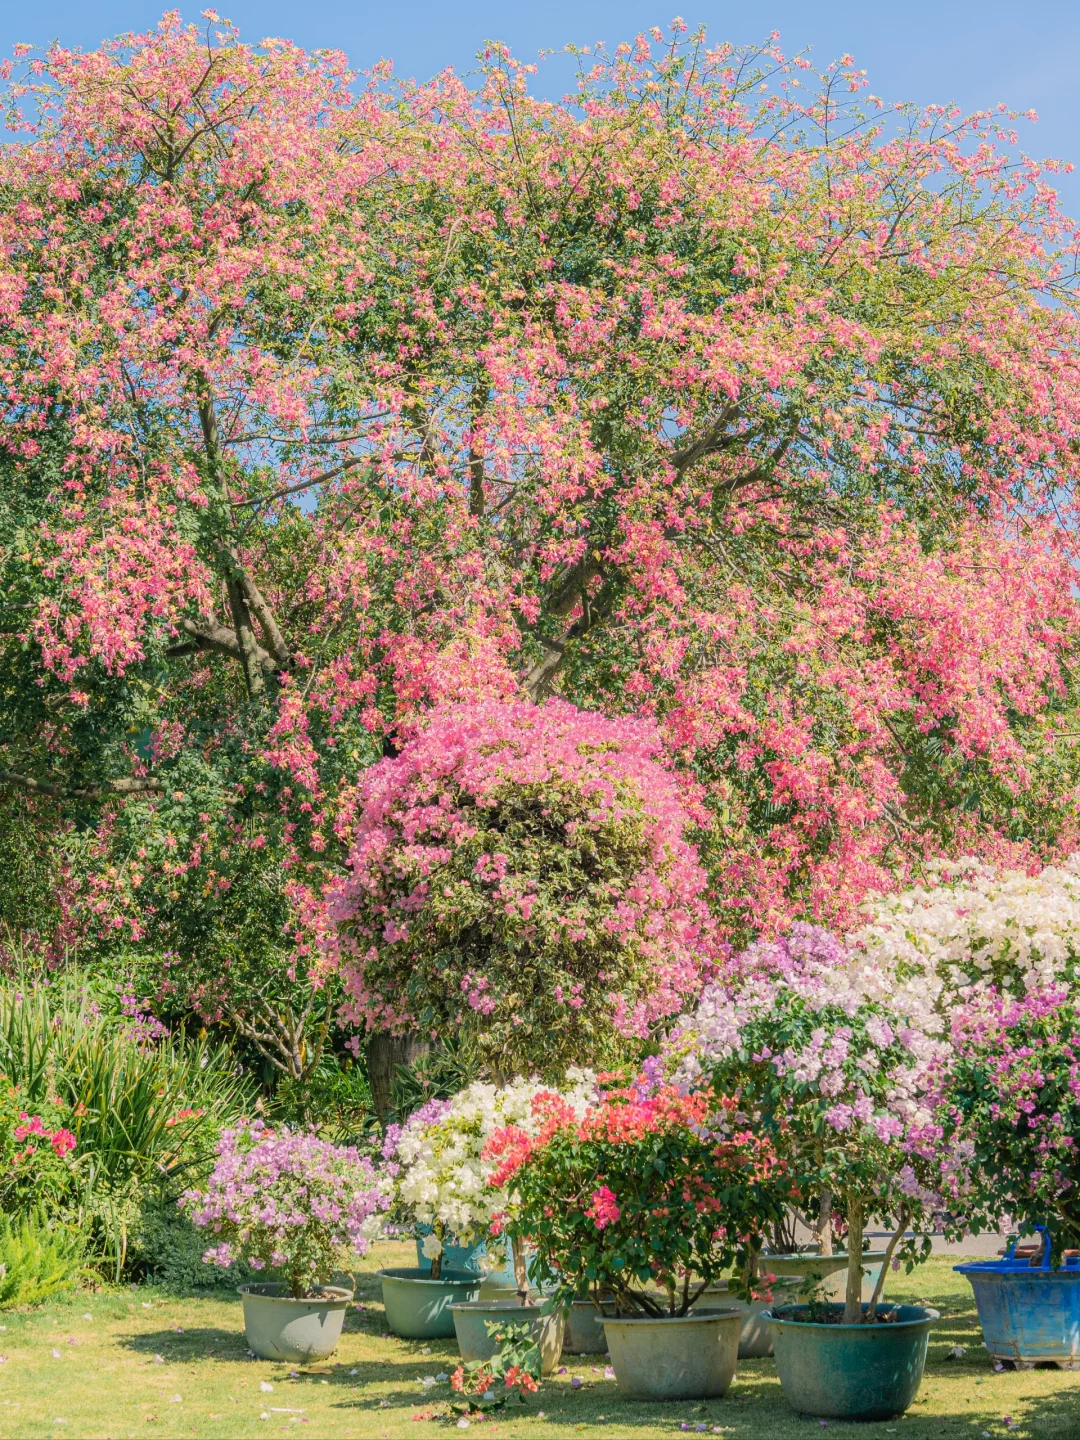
point(1029, 1314)
point(455, 1257)
point(850, 1372)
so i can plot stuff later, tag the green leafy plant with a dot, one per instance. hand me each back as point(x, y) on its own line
point(38, 1258)
point(516, 1363)
point(644, 1195)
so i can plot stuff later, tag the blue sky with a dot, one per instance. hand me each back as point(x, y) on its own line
point(977, 52)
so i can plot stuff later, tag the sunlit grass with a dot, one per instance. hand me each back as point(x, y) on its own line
point(147, 1364)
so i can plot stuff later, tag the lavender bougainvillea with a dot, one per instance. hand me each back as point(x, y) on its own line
point(289, 1201)
point(523, 872)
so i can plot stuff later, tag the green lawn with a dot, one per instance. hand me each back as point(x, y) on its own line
point(140, 1363)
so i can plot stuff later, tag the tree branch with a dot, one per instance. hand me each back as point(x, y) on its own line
point(125, 785)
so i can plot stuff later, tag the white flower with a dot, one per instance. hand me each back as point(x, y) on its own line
point(432, 1247)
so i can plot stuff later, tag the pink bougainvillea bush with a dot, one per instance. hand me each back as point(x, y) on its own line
point(523, 872)
point(289, 1201)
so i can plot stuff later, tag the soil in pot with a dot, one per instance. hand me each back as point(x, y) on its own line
point(471, 1319)
point(686, 1357)
point(418, 1307)
point(850, 1372)
point(281, 1328)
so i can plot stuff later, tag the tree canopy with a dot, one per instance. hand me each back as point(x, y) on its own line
point(717, 393)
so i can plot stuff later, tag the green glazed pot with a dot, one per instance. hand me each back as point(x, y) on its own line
point(418, 1307)
point(850, 1372)
point(281, 1328)
point(471, 1318)
point(688, 1357)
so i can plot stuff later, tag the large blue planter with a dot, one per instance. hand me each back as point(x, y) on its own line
point(1029, 1314)
point(454, 1257)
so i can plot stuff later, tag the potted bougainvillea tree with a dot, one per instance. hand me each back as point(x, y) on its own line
point(522, 874)
point(643, 1201)
point(1005, 1128)
point(837, 1080)
point(301, 1207)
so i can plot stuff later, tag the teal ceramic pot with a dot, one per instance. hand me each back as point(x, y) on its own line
point(418, 1307)
point(850, 1372)
point(281, 1328)
point(690, 1357)
point(472, 1317)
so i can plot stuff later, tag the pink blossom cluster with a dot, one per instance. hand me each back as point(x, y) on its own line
point(289, 1201)
point(33, 1127)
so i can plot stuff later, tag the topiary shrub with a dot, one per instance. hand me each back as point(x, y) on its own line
point(522, 874)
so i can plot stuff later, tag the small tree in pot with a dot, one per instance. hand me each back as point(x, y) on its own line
point(834, 1076)
point(647, 1198)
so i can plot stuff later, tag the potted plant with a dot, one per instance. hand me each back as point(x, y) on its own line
point(442, 1187)
point(1005, 1129)
point(837, 1081)
point(301, 1207)
point(646, 1199)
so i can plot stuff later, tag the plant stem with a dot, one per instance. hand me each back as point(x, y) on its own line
point(824, 1222)
point(521, 1274)
point(901, 1226)
point(853, 1311)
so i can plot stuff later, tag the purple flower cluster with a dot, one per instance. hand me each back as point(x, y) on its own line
point(290, 1201)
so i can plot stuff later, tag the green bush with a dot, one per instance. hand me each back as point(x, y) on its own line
point(165, 1247)
point(145, 1112)
point(38, 1258)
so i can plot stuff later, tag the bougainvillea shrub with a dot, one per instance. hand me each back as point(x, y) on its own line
point(977, 927)
point(1005, 1130)
point(442, 1176)
point(643, 1193)
point(290, 1201)
point(835, 1077)
point(523, 873)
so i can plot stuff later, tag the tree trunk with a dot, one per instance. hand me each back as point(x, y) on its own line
point(824, 1222)
point(521, 1272)
point(385, 1053)
point(853, 1311)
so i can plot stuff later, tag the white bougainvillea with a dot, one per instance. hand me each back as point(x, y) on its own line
point(441, 1177)
point(975, 926)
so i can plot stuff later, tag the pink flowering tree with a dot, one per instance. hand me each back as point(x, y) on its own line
point(834, 1076)
point(701, 394)
point(523, 873)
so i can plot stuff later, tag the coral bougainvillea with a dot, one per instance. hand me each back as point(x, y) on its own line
point(523, 872)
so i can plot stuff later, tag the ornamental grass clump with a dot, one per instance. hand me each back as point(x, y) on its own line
point(291, 1202)
point(443, 1177)
point(522, 873)
point(1006, 1116)
point(648, 1198)
point(836, 1079)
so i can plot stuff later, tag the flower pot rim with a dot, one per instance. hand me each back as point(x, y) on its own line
point(257, 1290)
point(501, 1305)
point(767, 1255)
point(928, 1316)
point(692, 1317)
point(412, 1275)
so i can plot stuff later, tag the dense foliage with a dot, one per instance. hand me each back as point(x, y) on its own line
point(520, 873)
point(834, 1076)
point(700, 394)
point(1006, 1115)
point(641, 1193)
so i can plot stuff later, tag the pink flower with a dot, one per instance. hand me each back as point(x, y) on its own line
point(603, 1209)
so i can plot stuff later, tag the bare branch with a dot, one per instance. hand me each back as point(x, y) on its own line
point(124, 785)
